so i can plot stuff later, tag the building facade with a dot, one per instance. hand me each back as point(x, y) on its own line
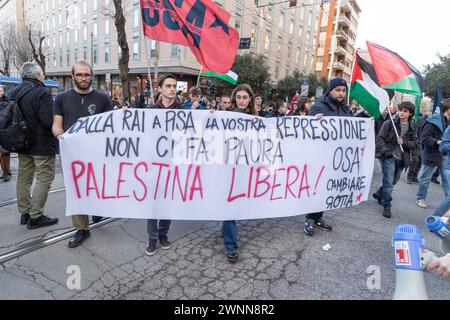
point(84, 29)
point(338, 30)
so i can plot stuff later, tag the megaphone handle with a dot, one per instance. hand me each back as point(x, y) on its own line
point(427, 257)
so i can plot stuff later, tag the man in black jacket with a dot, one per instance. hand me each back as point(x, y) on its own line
point(431, 137)
point(158, 229)
point(389, 151)
point(38, 161)
point(333, 104)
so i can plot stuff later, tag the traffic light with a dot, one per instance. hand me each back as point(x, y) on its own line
point(147, 85)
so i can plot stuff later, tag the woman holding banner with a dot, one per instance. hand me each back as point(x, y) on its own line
point(243, 101)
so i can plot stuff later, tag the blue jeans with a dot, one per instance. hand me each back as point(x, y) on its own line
point(155, 232)
point(392, 171)
point(425, 179)
point(444, 206)
point(229, 232)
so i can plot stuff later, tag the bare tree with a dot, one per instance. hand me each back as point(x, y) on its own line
point(23, 53)
point(36, 41)
point(8, 42)
point(120, 23)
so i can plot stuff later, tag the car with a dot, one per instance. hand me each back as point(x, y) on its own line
point(53, 87)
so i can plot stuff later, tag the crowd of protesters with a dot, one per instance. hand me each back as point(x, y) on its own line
point(401, 143)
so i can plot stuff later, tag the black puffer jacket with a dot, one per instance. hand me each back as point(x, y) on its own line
point(387, 142)
point(37, 109)
point(432, 132)
point(330, 107)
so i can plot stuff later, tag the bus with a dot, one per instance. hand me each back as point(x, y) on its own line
point(52, 86)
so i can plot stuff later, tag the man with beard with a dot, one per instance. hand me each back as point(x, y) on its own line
point(333, 104)
point(81, 101)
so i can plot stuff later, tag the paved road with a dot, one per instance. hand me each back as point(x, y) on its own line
point(277, 261)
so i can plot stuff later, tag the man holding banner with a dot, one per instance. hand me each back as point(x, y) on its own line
point(167, 87)
point(331, 104)
point(82, 101)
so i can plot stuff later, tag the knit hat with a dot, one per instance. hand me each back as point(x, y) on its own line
point(337, 82)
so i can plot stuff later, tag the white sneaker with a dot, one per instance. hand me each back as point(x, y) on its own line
point(421, 203)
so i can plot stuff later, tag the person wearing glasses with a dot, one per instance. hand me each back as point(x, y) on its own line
point(81, 101)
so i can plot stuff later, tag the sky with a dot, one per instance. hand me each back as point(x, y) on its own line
point(415, 29)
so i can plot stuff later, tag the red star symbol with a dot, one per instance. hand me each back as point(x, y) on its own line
point(358, 198)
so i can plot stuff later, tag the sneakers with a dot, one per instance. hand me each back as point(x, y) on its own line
point(409, 181)
point(421, 203)
point(435, 181)
point(42, 221)
point(24, 218)
point(232, 257)
point(387, 213)
point(415, 180)
point(79, 238)
point(377, 197)
point(308, 229)
point(320, 223)
point(151, 248)
point(96, 219)
point(165, 243)
point(6, 177)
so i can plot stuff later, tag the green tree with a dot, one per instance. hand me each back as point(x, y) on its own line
point(253, 70)
point(438, 74)
point(290, 84)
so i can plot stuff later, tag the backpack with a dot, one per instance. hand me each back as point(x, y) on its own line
point(15, 134)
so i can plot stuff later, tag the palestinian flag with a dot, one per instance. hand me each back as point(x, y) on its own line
point(394, 72)
point(366, 90)
point(230, 77)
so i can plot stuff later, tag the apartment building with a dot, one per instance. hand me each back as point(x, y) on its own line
point(338, 30)
point(84, 29)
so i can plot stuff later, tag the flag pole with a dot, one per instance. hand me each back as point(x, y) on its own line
point(149, 73)
point(199, 75)
point(351, 76)
point(393, 124)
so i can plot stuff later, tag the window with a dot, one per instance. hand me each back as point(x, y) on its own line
point(95, 30)
point(174, 53)
point(95, 55)
point(106, 54)
point(136, 50)
point(267, 42)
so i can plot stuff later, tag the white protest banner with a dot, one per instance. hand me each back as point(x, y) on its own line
point(197, 165)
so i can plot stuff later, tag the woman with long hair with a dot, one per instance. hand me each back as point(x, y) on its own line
point(243, 101)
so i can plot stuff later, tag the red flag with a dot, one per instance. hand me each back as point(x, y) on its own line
point(201, 25)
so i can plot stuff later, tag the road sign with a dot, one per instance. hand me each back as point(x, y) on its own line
point(245, 43)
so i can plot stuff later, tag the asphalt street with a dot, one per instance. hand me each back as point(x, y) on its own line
point(277, 260)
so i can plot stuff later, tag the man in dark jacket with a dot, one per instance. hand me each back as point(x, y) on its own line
point(416, 155)
point(389, 150)
point(431, 137)
point(38, 161)
point(167, 87)
point(333, 104)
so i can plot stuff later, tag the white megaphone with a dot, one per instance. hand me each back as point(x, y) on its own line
point(411, 259)
point(440, 227)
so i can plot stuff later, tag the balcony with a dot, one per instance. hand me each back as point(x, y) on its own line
point(346, 6)
point(342, 35)
point(343, 21)
point(339, 66)
point(341, 51)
